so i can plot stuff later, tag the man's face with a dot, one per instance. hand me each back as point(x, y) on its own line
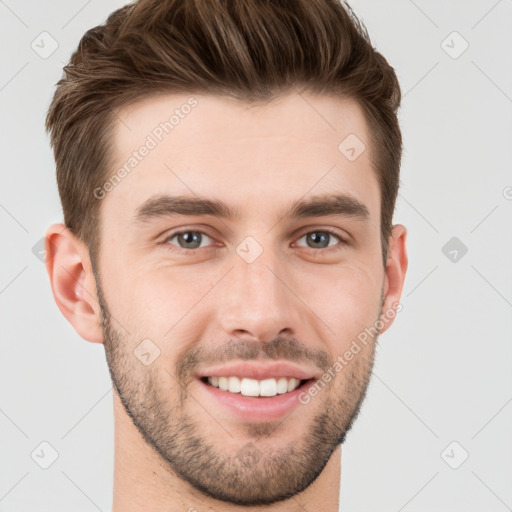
point(263, 287)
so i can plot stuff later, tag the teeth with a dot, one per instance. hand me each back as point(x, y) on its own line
point(249, 387)
point(253, 387)
point(292, 384)
point(234, 385)
point(268, 387)
point(282, 385)
point(224, 383)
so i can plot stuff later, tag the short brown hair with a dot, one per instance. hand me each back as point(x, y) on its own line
point(251, 50)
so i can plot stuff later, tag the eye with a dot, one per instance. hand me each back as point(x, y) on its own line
point(320, 239)
point(187, 240)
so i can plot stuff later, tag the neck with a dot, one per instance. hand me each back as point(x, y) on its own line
point(142, 480)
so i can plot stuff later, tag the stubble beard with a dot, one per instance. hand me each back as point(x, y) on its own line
point(252, 473)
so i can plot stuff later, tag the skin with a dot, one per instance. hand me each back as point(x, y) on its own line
point(174, 449)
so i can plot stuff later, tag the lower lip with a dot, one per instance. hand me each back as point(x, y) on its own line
point(256, 409)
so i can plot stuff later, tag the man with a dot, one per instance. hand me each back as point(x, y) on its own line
point(228, 172)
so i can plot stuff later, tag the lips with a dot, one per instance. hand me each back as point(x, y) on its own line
point(260, 371)
point(259, 393)
point(250, 408)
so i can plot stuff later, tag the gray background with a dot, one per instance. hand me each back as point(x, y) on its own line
point(443, 371)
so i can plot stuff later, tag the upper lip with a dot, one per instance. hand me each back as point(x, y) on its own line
point(260, 371)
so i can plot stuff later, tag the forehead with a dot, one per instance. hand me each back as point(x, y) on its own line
point(210, 146)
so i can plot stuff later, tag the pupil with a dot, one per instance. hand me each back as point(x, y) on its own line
point(190, 237)
point(315, 238)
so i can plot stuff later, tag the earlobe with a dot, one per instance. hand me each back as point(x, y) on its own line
point(396, 269)
point(72, 281)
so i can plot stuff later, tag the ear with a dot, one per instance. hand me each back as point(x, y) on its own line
point(396, 267)
point(72, 281)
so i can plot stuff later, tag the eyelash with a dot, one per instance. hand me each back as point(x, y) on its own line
point(181, 250)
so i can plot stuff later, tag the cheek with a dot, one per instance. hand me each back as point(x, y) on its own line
point(349, 300)
point(155, 302)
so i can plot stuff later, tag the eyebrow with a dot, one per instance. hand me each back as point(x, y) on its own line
point(317, 206)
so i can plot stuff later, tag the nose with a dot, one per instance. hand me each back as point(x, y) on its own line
point(258, 301)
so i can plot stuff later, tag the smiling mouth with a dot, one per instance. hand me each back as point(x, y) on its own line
point(266, 388)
